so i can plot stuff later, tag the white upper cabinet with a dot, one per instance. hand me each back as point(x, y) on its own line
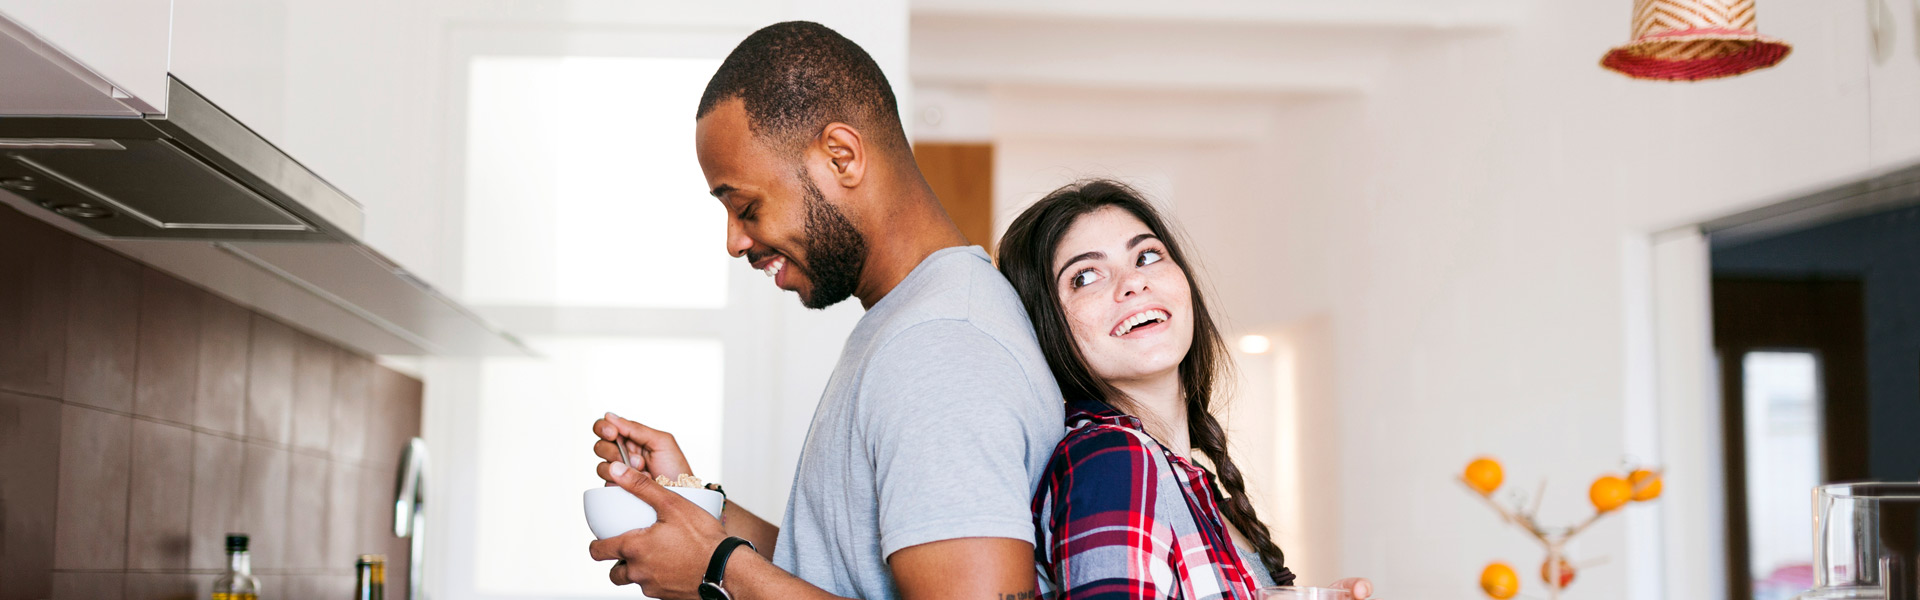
point(1893, 82)
point(124, 41)
point(233, 52)
point(346, 87)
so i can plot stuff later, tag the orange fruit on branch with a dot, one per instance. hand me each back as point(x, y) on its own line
point(1566, 573)
point(1609, 493)
point(1485, 475)
point(1499, 581)
point(1646, 485)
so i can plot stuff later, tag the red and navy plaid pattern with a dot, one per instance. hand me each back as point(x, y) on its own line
point(1109, 527)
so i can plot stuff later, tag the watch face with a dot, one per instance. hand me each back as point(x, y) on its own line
point(710, 591)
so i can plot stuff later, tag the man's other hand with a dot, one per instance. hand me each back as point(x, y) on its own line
point(668, 558)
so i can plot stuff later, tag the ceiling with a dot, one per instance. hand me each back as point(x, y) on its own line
point(1280, 47)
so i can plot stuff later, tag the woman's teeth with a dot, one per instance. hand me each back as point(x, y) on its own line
point(1139, 319)
point(773, 268)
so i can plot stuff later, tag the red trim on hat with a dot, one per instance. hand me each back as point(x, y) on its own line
point(1762, 54)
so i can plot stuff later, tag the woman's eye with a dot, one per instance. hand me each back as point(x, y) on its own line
point(1084, 278)
point(1150, 257)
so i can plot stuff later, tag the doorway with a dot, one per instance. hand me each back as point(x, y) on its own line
point(1792, 368)
point(961, 175)
point(1816, 330)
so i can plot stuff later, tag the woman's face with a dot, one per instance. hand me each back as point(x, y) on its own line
point(1127, 302)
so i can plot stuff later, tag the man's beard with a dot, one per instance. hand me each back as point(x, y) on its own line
point(836, 252)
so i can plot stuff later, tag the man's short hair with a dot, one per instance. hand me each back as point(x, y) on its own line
point(796, 77)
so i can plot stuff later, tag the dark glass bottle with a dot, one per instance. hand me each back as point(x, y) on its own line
point(370, 578)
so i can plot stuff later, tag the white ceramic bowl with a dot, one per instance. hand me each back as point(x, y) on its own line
point(612, 510)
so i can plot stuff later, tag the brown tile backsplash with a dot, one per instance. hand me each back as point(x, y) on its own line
point(158, 512)
point(270, 381)
point(89, 586)
point(344, 497)
point(164, 586)
point(342, 587)
point(394, 415)
point(202, 585)
point(352, 394)
point(307, 511)
point(143, 418)
point(376, 510)
point(276, 581)
point(168, 359)
point(33, 305)
point(217, 464)
point(103, 322)
point(90, 525)
point(312, 586)
point(29, 483)
point(220, 396)
point(263, 503)
point(312, 394)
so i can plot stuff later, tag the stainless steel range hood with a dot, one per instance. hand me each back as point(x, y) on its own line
point(193, 173)
point(197, 194)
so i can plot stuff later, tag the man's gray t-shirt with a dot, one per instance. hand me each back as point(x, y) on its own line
point(936, 425)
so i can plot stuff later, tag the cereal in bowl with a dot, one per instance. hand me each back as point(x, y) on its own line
point(684, 480)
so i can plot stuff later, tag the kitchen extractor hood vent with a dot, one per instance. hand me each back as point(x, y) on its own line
point(193, 173)
point(143, 188)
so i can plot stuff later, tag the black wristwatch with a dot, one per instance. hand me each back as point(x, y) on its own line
point(717, 568)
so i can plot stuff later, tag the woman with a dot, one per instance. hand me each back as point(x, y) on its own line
point(1123, 510)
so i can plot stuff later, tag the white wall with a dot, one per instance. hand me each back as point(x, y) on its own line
point(1483, 307)
point(1459, 226)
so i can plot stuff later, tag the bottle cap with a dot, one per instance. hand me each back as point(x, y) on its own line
point(236, 542)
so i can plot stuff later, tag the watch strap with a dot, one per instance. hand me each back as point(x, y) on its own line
point(717, 566)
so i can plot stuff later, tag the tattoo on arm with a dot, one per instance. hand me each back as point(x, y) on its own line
point(1019, 596)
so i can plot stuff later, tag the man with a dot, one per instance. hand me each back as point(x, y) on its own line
point(917, 471)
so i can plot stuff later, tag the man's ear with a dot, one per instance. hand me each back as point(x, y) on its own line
point(846, 152)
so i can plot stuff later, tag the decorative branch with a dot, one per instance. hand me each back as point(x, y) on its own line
point(1608, 493)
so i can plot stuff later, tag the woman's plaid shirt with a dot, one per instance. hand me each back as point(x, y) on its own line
point(1117, 516)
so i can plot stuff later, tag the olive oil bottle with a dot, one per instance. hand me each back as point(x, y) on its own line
point(238, 583)
point(370, 578)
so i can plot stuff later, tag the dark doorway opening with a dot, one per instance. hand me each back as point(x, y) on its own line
point(1817, 332)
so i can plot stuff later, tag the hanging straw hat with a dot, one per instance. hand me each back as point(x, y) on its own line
point(1691, 40)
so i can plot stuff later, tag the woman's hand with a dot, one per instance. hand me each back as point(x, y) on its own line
point(1361, 588)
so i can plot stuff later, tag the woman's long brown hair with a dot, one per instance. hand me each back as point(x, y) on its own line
point(1026, 258)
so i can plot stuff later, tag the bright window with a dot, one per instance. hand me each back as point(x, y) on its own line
point(1782, 406)
point(582, 185)
point(534, 449)
point(587, 230)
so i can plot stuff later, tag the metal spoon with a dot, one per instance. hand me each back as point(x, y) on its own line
point(621, 443)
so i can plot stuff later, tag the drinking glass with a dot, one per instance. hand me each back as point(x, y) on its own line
point(1304, 593)
point(1866, 540)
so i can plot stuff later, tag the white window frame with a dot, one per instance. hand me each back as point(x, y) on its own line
point(777, 355)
